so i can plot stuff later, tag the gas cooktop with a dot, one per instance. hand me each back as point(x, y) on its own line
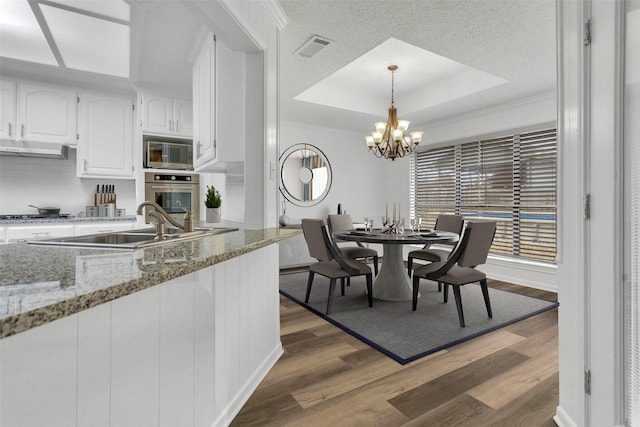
point(33, 216)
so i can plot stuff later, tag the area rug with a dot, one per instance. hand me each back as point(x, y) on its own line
point(405, 335)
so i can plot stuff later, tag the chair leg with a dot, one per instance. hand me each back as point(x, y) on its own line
point(446, 291)
point(439, 287)
point(416, 287)
point(409, 265)
point(306, 298)
point(375, 264)
point(370, 289)
point(456, 293)
point(485, 294)
point(348, 282)
point(332, 290)
point(342, 285)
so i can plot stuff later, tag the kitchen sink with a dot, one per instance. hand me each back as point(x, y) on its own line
point(133, 239)
point(173, 230)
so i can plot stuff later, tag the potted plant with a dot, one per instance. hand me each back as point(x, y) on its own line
point(212, 201)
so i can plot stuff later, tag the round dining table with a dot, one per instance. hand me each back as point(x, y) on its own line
point(392, 282)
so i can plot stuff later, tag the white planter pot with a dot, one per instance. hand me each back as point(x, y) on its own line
point(213, 215)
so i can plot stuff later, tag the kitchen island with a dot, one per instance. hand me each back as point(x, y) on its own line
point(176, 334)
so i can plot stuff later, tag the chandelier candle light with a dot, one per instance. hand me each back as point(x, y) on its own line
point(389, 139)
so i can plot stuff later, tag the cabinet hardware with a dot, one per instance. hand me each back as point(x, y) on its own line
point(85, 165)
point(22, 131)
point(587, 32)
point(170, 125)
point(9, 128)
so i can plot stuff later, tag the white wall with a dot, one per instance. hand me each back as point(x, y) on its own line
point(521, 114)
point(361, 183)
point(53, 183)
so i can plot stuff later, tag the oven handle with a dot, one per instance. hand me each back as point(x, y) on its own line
point(174, 187)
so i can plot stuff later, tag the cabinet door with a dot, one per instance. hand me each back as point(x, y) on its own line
point(7, 109)
point(105, 128)
point(23, 233)
point(46, 114)
point(157, 114)
point(204, 147)
point(183, 117)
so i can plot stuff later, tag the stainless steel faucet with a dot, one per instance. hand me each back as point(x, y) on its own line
point(160, 215)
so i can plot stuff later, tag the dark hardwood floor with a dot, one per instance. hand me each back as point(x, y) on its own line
point(326, 377)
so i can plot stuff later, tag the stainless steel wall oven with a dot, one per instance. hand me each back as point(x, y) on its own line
point(167, 188)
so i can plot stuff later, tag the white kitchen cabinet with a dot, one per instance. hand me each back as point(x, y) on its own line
point(105, 131)
point(219, 76)
point(2, 232)
point(102, 227)
point(35, 232)
point(164, 115)
point(204, 103)
point(7, 109)
point(46, 114)
point(183, 117)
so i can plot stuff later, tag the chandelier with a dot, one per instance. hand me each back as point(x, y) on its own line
point(389, 139)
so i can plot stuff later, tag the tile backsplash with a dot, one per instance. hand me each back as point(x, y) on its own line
point(53, 183)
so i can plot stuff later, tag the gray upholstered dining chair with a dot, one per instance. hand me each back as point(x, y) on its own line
point(460, 267)
point(452, 223)
point(342, 222)
point(331, 263)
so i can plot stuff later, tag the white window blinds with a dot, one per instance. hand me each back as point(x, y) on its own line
point(510, 179)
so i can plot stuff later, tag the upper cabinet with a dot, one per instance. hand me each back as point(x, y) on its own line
point(7, 110)
point(34, 112)
point(105, 130)
point(166, 116)
point(219, 93)
point(204, 96)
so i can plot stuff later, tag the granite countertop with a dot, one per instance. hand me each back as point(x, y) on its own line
point(69, 220)
point(39, 284)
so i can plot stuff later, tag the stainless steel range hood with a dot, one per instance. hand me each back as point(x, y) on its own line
point(33, 149)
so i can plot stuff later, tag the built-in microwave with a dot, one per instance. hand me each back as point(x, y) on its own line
point(167, 153)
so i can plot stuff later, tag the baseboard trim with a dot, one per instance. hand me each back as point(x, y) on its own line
point(238, 401)
point(562, 419)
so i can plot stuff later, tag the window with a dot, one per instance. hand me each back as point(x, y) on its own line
point(510, 179)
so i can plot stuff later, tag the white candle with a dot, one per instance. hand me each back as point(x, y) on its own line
point(399, 216)
point(394, 211)
point(386, 212)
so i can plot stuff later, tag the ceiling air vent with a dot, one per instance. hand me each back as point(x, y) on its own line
point(312, 46)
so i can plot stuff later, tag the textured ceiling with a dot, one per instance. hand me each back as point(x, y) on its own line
point(510, 39)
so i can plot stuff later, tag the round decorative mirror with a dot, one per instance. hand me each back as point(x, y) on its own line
point(305, 174)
